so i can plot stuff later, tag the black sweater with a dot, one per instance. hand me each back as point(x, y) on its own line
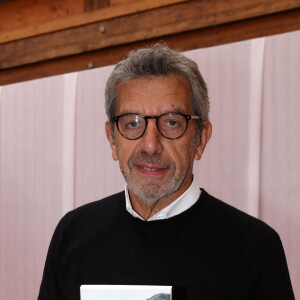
point(211, 251)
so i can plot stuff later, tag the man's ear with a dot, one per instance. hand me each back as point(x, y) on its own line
point(111, 141)
point(203, 139)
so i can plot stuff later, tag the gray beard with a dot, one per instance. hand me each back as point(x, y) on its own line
point(150, 193)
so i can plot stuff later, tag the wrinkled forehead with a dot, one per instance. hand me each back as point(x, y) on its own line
point(156, 94)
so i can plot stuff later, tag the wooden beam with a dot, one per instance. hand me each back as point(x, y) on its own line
point(68, 22)
point(90, 5)
point(154, 23)
point(18, 15)
point(200, 38)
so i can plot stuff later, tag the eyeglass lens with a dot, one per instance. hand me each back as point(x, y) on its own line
point(171, 126)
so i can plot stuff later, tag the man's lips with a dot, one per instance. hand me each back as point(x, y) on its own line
point(151, 170)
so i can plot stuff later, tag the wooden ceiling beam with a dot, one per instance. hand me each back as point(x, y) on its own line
point(75, 20)
point(154, 23)
point(20, 15)
point(90, 5)
point(194, 39)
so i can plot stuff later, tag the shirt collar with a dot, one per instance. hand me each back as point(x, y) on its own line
point(185, 201)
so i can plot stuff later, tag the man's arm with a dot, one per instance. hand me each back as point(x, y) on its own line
point(50, 288)
point(274, 280)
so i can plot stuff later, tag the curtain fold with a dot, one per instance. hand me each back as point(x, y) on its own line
point(280, 161)
point(68, 148)
point(230, 168)
point(31, 180)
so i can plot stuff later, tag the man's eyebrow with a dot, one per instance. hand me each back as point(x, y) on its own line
point(178, 110)
point(174, 110)
point(129, 112)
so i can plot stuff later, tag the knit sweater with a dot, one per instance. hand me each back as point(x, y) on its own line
point(210, 251)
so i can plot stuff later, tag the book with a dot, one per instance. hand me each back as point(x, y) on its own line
point(125, 292)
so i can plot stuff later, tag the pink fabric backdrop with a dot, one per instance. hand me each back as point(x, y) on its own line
point(54, 155)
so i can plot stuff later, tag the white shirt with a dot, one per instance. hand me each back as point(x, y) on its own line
point(185, 201)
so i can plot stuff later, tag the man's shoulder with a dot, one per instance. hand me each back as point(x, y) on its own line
point(110, 202)
point(226, 217)
point(97, 212)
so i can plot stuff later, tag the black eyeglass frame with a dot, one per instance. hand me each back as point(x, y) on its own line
point(146, 118)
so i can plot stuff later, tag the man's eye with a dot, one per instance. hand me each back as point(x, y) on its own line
point(172, 123)
point(132, 124)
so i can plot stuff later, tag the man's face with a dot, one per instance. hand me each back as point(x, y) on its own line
point(155, 167)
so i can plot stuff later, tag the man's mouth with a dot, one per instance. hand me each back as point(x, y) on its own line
point(151, 170)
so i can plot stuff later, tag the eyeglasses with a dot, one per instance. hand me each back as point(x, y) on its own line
point(170, 125)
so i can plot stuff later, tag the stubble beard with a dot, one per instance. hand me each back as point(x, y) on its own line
point(151, 190)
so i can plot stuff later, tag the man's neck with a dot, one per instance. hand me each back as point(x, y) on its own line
point(146, 212)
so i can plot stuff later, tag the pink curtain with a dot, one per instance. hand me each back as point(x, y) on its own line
point(54, 155)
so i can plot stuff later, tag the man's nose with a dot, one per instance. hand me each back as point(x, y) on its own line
point(151, 139)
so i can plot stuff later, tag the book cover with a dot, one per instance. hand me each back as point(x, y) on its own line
point(125, 292)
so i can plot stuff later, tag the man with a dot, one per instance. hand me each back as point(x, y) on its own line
point(163, 230)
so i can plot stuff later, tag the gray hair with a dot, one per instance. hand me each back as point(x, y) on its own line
point(158, 60)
